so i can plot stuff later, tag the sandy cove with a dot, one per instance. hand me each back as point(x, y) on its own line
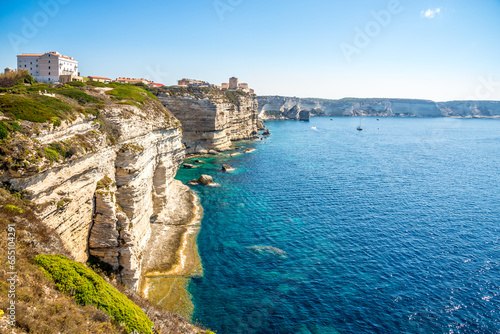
point(171, 257)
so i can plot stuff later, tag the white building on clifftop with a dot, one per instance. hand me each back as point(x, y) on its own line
point(49, 67)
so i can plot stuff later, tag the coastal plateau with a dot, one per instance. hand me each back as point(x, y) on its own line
point(281, 107)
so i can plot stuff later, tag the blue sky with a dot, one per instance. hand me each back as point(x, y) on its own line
point(431, 49)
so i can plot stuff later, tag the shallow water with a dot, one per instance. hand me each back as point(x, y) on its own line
point(393, 229)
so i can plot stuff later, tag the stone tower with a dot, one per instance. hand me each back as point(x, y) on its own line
point(233, 83)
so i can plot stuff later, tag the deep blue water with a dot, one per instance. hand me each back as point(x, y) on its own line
point(394, 229)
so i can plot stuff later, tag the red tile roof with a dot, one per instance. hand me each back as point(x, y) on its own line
point(102, 78)
point(30, 55)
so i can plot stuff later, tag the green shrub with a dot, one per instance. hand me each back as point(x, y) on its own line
point(76, 94)
point(14, 126)
point(142, 85)
point(95, 84)
point(34, 107)
point(88, 288)
point(104, 183)
point(130, 92)
point(51, 154)
point(4, 132)
point(76, 83)
point(233, 96)
point(17, 77)
point(127, 94)
point(13, 208)
point(56, 121)
point(93, 111)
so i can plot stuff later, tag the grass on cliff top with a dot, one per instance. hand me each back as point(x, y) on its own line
point(34, 108)
point(131, 92)
point(88, 288)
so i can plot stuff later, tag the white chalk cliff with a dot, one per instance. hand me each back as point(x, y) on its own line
point(284, 107)
point(103, 198)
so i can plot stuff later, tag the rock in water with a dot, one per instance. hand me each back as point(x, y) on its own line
point(268, 250)
point(260, 126)
point(249, 150)
point(187, 166)
point(193, 183)
point(206, 180)
point(213, 152)
point(198, 161)
point(226, 168)
point(266, 132)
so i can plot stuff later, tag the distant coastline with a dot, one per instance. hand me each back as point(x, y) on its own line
point(282, 107)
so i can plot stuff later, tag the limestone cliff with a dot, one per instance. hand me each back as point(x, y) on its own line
point(99, 179)
point(211, 118)
point(278, 107)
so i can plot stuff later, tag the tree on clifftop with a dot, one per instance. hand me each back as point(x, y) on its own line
point(18, 77)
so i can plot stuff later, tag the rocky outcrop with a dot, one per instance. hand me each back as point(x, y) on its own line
point(102, 200)
point(206, 180)
point(212, 118)
point(304, 115)
point(279, 107)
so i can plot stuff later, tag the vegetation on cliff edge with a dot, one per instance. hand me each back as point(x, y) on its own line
point(88, 288)
point(40, 306)
point(28, 111)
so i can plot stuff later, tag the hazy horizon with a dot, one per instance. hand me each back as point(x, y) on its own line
point(438, 50)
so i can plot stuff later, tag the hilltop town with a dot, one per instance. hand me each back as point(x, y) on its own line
point(53, 67)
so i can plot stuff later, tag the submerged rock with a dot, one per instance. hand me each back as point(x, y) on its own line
point(268, 250)
point(199, 161)
point(206, 180)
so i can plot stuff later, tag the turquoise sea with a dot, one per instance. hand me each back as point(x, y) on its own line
point(325, 229)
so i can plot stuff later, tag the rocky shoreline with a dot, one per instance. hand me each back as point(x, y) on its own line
point(171, 257)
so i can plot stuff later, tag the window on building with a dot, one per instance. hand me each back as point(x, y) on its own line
point(31, 63)
point(49, 74)
point(49, 60)
point(49, 67)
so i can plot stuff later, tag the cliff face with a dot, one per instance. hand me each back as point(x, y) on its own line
point(102, 199)
point(285, 107)
point(471, 108)
point(210, 118)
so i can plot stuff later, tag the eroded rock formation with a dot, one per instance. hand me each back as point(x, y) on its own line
point(212, 118)
point(103, 198)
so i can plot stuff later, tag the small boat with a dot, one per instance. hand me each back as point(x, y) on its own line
point(359, 128)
